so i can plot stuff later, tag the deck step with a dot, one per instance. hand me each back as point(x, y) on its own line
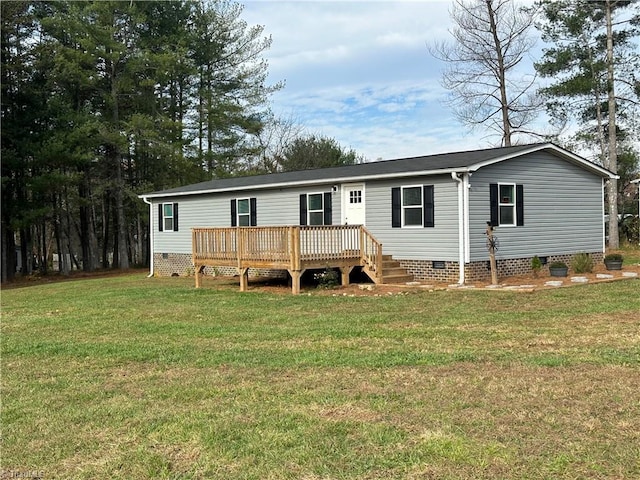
point(390, 272)
point(393, 272)
point(398, 278)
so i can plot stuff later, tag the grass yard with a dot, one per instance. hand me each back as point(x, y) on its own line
point(128, 377)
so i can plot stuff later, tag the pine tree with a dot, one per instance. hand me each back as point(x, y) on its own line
point(594, 65)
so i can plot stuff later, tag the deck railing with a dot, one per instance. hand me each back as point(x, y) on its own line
point(371, 253)
point(288, 247)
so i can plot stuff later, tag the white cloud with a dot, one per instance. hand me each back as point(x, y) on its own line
point(360, 72)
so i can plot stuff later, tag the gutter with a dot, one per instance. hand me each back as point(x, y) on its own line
point(305, 183)
point(144, 199)
point(461, 226)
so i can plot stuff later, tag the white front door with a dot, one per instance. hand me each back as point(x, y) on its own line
point(353, 210)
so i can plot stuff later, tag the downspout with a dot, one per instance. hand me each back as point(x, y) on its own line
point(467, 237)
point(461, 224)
point(604, 232)
point(144, 199)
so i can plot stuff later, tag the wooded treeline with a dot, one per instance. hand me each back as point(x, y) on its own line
point(102, 101)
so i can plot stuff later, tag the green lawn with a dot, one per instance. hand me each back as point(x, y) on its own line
point(135, 378)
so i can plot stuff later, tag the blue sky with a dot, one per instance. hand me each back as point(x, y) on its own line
point(360, 72)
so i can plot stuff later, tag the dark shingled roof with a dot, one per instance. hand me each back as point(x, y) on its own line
point(443, 162)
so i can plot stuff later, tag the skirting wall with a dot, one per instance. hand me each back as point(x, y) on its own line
point(180, 265)
point(426, 270)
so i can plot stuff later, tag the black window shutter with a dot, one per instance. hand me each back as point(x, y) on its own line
point(175, 217)
point(493, 200)
point(519, 205)
point(234, 213)
point(428, 201)
point(396, 208)
point(303, 209)
point(253, 214)
point(160, 217)
point(327, 208)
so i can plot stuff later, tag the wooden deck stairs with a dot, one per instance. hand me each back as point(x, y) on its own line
point(392, 272)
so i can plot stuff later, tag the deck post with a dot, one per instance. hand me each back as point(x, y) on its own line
point(198, 273)
point(295, 247)
point(244, 279)
point(295, 281)
point(345, 274)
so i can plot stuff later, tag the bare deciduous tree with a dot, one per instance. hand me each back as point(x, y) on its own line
point(490, 40)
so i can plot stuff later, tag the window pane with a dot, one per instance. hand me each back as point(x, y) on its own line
point(413, 216)
point(168, 224)
point(243, 220)
point(355, 196)
point(315, 202)
point(243, 206)
point(506, 194)
point(507, 216)
point(168, 209)
point(316, 218)
point(412, 196)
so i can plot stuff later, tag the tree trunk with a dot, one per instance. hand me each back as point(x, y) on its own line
point(116, 157)
point(106, 217)
point(121, 224)
point(612, 196)
point(88, 264)
point(8, 253)
point(26, 246)
point(504, 102)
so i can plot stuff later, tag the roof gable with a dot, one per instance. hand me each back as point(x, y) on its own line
point(465, 161)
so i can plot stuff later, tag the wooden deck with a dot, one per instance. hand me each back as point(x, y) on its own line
point(291, 248)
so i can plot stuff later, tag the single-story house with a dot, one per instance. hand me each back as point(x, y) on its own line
point(429, 213)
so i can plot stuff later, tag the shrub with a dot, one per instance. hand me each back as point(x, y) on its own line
point(582, 263)
point(558, 264)
point(613, 257)
point(536, 265)
point(328, 278)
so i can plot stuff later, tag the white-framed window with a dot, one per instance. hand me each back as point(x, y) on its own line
point(315, 209)
point(412, 206)
point(168, 217)
point(506, 204)
point(244, 212)
point(355, 196)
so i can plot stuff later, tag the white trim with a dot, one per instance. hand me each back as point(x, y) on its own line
point(315, 211)
point(604, 233)
point(461, 229)
point(172, 217)
point(500, 204)
point(467, 234)
point(420, 206)
point(560, 152)
point(355, 179)
point(248, 214)
point(151, 229)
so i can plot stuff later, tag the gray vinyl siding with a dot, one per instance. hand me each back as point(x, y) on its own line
point(562, 212)
point(274, 207)
point(432, 243)
point(562, 208)
point(281, 207)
